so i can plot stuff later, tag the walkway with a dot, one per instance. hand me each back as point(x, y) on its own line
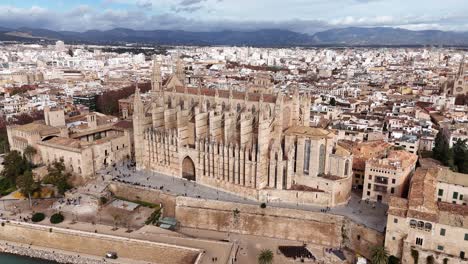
point(370, 214)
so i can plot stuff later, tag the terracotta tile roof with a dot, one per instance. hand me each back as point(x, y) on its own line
point(43, 129)
point(454, 208)
point(124, 124)
point(269, 98)
point(65, 142)
point(308, 131)
point(421, 202)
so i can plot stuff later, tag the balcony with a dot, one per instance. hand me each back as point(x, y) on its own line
point(381, 189)
point(381, 180)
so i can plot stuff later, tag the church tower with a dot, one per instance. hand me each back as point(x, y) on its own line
point(138, 122)
point(180, 72)
point(156, 84)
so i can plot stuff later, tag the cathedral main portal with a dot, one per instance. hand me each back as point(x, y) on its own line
point(188, 169)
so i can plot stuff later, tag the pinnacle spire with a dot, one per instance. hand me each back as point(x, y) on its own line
point(156, 77)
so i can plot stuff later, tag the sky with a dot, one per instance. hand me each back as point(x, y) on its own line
point(304, 16)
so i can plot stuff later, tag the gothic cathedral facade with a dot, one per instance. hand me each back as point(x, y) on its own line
point(254, 144)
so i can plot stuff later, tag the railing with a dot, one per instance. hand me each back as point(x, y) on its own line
point(382, 189)
point(381, 180)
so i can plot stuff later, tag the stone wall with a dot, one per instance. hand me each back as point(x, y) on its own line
point(96, 244)
point(360, 238)
point(301, 197)
point(323, 229)
point(131, 192)
point(317, 228)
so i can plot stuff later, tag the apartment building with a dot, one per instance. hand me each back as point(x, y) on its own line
point(424, 229)
point(388, 176)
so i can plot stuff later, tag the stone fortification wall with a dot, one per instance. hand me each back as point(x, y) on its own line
point(145, 194)
point(323, 229)
point(95, 244)
point(317, 228)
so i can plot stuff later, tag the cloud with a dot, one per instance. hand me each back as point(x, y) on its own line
point(190, 2)
point(188, 15)
point(146, 4)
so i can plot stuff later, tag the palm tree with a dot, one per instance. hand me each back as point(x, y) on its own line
point(265, 257)
point(379, 255)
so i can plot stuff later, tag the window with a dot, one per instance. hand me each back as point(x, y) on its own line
point(466, 237)
point(420, 224)
point(441, 192)
point(395, 220)
point(306, 157)
point(369, 186)
point(419, 241)
point(321, 160)
point(347, 167)
point(368, 193)
point(455, 195)
point(461, 197)
point(442, 231)
point(439, 247)
point(393, 181)
point(428, 226)
point(413, 223)
point(358, 237)
point(462, 254)
point(370, 177)
point(392, 190)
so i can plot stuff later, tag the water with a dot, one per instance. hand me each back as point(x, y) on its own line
point(14, 259)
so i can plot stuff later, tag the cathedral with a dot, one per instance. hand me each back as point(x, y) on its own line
point(257, 144)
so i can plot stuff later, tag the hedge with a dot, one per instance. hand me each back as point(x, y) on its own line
point(38, 217)
point(56, 218)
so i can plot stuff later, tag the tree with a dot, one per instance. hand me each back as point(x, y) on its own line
point(115, 218)
point(29, 153)
point(393, 260)
point(379, 255)
point(58, 176)
point(415, 255)
point(26, 184)
point(108, 102)
point(14, 166)
point(460, 156)
point(265, 257)
point(70, 52)
point(430, 260)
point(441, 150)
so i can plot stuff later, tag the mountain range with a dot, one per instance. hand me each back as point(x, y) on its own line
point(352, 36)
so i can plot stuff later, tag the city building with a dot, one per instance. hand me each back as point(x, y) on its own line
point(426, 225)
point(389, 175)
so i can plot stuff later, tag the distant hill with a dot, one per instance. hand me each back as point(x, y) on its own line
point(389, 36)
point(353, 36)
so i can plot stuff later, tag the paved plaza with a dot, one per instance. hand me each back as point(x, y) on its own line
point(370, 214)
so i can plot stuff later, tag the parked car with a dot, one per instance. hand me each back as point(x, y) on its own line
point(111, 255)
